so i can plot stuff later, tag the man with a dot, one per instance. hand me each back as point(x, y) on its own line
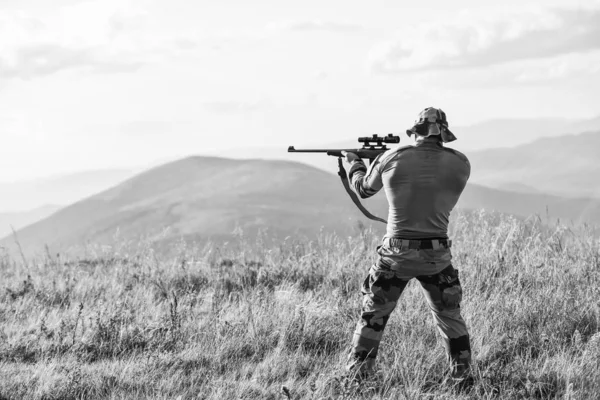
point(422, 184)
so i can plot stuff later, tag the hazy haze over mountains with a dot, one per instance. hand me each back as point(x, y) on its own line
point(549, 208)
point(514, 132)
point(565, 165)
point(200, 198)
point(66, 189)
point(504, 133)
point(209, 196)
point(24, 196)
point(18, 220)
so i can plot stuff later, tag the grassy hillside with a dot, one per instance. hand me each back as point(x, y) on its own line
point(240, 322)
point(566, 165)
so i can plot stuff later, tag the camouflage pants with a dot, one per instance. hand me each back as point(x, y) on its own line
point(382, 289)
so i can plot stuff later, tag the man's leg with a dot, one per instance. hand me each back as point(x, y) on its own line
point(444, 294)
point(381, 291)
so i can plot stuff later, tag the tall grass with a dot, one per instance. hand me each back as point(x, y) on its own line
point(239, 321)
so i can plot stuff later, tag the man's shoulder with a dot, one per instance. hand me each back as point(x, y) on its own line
point(391, 153)
point(457, 153)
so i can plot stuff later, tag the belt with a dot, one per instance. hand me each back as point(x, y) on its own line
point(417, 244)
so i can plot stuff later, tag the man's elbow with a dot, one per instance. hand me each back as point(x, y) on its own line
point(365, 193)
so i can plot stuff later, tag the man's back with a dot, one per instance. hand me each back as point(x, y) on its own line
point(422, 184)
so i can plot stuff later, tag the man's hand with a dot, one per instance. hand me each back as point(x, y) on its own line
point(350, 157)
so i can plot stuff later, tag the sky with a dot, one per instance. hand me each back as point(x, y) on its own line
point(112, 84)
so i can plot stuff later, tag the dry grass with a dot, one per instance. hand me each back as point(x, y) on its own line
point(241, 321)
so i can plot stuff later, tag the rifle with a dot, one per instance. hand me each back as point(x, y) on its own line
point(372, 147)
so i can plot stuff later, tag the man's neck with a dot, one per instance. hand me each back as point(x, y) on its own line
point(428, 141)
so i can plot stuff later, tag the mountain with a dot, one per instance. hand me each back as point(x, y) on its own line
point(21, 219)
point(516, 132)
point(567, 166)
point(64, 189)
point(550, 208)
point(201, 198)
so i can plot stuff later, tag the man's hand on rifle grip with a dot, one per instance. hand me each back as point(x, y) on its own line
point(350, 157)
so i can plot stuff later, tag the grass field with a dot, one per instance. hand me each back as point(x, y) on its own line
point(242, 320)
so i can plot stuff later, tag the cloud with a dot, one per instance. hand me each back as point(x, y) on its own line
point(47, 58)
point(99, 36)
point(568, 69)
point(321, 75)
point(236, 107)
point(476, 40)
point(315, 26)
point(582, 66)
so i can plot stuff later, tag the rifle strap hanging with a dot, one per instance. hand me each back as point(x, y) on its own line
point(344, 177)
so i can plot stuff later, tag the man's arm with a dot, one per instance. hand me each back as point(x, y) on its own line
point(365, 181)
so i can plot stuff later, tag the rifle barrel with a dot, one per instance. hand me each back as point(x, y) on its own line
point(291, 149)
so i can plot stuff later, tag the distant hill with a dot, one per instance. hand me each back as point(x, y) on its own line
point(201, 198)
point(516, 132)
point(21, 219)
point(549, 208)
point(566, 165)
point(64, 189)
point(488, 138)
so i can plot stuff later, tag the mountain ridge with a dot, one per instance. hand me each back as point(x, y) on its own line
point(61, 189)
point(566, 166)
point(206, 198)
point(68, 188)
point(196, 196)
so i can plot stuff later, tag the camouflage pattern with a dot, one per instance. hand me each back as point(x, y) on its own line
point(382, 288)
point(432, 122)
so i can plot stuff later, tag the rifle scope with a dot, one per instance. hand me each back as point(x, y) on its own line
point(390, 138)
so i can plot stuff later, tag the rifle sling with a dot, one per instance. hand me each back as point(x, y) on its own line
point(344, 177)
